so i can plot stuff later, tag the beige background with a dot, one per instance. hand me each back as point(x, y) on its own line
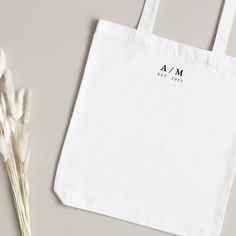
point(46, 43)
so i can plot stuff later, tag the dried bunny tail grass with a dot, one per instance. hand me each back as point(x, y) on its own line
point(4, 152)
point(6, 131)
point(2, 63)
point(12, 124)
point(20, 102)
point(18, 197)
point(27, 105)
point(6, 81)
point(14, 115)
point(9, 93)
point(3, 104)
point(2, 116)
point(22, 145)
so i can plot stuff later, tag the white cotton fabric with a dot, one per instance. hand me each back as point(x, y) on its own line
point(152, 139)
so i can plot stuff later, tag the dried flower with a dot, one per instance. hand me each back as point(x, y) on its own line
point(3, 104)
point(22, 146)
point(27, 104)
point(20, 102)
point(2, 117)
point(14, 115)
point(12, 124)
point(8, 90)
point(6, 131)
point(2, 63)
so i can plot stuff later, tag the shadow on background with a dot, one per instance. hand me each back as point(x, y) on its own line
point(80, 77)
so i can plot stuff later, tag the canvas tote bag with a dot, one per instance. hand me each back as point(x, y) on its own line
point(152, 139)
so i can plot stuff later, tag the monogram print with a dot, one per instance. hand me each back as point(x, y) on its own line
point(172, 73)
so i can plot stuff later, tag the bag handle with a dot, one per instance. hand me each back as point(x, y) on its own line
point(225, 26)
point(148, 16)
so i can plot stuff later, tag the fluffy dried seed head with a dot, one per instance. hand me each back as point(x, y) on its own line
point(11, 105)
point(6, 81)
point(22, 145)
point(20, 102)
point(8, 90)
point(6, 131)
point(27, 105)
point(12, 124)
point(2, 117)
point(2, 63)
point(3, 103)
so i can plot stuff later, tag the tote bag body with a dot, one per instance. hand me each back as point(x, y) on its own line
point(152, 138)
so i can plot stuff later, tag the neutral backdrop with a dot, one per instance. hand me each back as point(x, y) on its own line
point(46, 43)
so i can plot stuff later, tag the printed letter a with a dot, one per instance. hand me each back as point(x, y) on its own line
point(163, 68)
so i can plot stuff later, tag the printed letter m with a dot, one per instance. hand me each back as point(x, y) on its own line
point(179, 72)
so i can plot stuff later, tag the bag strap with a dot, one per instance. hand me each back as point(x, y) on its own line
point(225, 26)
point(148, 16)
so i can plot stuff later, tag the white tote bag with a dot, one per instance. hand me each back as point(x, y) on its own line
point(152, 139)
